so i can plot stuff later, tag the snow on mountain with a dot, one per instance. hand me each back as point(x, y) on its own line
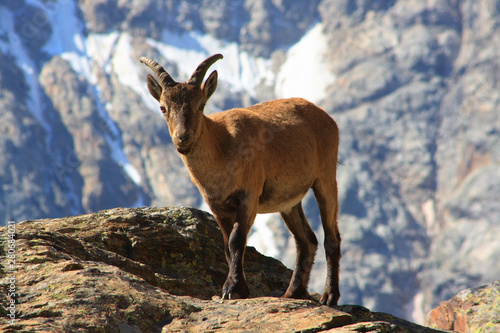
point(126, 68)
point(295, 79)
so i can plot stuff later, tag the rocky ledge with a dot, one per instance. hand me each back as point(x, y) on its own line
point(156, 270)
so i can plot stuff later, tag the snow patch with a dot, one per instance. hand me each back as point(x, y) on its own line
point(127, 71)
point(67, 33)
point(67, 40)
point(100, 47)
point(305, 73)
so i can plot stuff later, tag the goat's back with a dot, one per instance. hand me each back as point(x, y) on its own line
point(284, 127)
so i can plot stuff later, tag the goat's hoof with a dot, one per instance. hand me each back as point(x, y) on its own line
point(235, 290)
point(227, 296)
point(231, 296)
point(329, 299)
point(296, 294)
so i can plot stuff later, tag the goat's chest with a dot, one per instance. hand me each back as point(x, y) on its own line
point(224, 204)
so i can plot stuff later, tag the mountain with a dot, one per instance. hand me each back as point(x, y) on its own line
point(413, 85)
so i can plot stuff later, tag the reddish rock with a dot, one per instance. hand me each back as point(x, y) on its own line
point(471, 310)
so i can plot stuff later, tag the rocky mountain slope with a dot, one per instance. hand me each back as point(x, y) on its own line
point(152, 270)
point(413, 85)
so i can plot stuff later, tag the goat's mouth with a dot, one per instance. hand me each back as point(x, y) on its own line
point(183, 148)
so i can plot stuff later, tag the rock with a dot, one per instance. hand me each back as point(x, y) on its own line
point(152, 270)
point(260, 314)
point(471, 310)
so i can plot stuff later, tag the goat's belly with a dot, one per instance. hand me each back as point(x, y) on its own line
point(272, 206)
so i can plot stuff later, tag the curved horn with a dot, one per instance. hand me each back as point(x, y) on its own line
point(198, 75)
point(159, 71)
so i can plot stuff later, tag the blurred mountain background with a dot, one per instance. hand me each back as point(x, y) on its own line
point(414, 86)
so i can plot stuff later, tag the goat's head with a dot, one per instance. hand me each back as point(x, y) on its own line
point(182, 104)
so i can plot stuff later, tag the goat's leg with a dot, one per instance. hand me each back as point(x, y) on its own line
point(325, 192)
point(306, 244)
point(226, 226)
point(236, 284)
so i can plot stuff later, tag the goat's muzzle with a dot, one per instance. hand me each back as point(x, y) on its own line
point(183, 141)
point(183, 137)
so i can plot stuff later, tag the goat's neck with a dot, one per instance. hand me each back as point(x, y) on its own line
point(204, 157)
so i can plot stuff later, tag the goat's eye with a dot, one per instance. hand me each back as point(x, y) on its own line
point(202, 107)
point(163, 109)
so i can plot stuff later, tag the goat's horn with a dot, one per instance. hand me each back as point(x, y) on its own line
point(198, 75)
point(159, 71)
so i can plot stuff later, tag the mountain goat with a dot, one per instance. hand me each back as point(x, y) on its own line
point(259, 159)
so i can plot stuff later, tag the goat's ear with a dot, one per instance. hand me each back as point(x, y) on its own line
point(210, 85)
point(154, 87)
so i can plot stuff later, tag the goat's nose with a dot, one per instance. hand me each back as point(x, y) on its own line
point(183, 137)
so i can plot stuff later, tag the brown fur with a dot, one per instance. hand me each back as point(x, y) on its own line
point(260, 159)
